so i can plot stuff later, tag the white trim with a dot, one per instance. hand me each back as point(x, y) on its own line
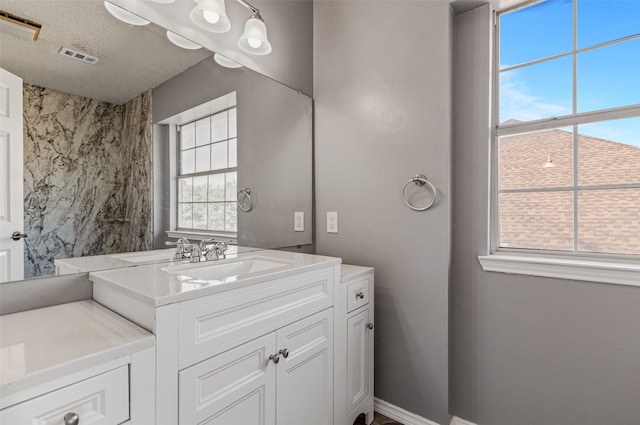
point(399, 414)
point(459, 421)
point(200, 236)
point(621, 273)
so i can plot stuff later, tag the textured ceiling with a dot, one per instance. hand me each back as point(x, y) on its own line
point(133, 59)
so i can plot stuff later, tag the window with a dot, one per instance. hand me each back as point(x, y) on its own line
point(208, 174)
point(567, 130)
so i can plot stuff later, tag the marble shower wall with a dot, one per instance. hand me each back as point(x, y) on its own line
point(83, 161)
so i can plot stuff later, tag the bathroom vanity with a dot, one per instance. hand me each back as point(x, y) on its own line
point(259, 338)
point(75, 363)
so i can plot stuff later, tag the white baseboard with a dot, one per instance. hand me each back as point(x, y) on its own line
point(459, 421)
point(399, 414)
point(407, 418)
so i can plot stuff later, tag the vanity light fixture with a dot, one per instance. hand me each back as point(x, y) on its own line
point(254, 38)
point(124, 15)
point(210, 15)
point(225, 61)
point(180, 41)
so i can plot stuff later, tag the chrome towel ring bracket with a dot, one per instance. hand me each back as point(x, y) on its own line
point(420, 180)
point(246, 194)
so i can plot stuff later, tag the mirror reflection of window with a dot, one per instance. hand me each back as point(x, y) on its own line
point(208, 173)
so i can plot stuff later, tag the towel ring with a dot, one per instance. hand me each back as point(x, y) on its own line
point(420, 180)
point(247, 193)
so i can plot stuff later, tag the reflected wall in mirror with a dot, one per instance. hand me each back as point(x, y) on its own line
point(87, 149)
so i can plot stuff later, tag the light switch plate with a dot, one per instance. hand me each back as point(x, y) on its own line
point(298, 221)
point(332, 222)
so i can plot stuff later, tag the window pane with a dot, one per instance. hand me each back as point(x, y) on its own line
point(536, 160)
point(609, 221)
point(232, 187)
point(187, 136)
point(200, 189)
point(188, 161)
point(535, 32)
point(232, 123)
point(185, 215)
point(216, 187)
point(606, 20)
point(537, 220)
point(200, 216)
point(608, 76)
point(185, 190)
point(231, 217)
point(538, 91)
point(219, 127)
point(219, 156)
point(202, 158)
point(216, 216)
point(203, 132)
point(609, 152)
point(233, 153)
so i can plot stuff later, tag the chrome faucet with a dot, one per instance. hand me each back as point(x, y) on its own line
point(215, 251)
point(183, 247)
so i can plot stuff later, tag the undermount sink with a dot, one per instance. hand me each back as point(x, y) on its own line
point(226, 270)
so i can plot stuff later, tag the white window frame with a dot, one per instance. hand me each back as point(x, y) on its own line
point(605, 268)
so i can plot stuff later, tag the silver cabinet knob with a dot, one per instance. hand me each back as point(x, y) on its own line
point(16, 236)
point(275, 358)
point(71, 419)
point(284, 352)
point(369, 325)
point(360, 295)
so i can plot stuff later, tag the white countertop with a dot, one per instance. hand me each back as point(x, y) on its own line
point(47, 343)
point(166, 283)
point(350, 272)
point(94, 263)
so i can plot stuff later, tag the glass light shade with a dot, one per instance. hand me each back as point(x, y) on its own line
point(124, 15)
point(164, 1)
point(225, 61)
point(180, 41)
point(205, 13)
point(254, 38)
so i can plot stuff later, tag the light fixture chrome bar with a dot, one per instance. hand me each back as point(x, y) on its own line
point(249, 6)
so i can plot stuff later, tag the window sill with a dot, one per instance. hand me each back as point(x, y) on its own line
point(620, 273)
point(198, 236)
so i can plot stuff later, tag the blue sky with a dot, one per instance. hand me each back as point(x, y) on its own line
point(606, 77)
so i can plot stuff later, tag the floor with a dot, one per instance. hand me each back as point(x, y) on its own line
point(379, 419)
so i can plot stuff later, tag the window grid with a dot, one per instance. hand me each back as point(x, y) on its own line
point(207, 178)
point(573, 120)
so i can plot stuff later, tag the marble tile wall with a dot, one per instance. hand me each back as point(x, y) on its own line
point(82, 161)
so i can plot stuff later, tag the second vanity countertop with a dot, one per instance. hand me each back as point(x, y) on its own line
point(40, 345)
point(167, 283)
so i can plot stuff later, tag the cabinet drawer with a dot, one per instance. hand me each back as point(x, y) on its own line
point(357, 294)
point(214, 324)
point(101, 400)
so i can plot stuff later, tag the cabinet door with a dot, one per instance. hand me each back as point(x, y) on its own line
point(232, 388)
point(359, 339)
point(305, 375)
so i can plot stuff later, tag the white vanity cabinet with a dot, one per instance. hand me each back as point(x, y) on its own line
point(284, 377)
point(256, 350)
point(354, 342)
point(75, 363)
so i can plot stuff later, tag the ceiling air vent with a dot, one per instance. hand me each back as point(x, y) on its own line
point(75, 54)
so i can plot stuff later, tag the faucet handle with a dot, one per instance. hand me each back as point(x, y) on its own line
point(196, 253)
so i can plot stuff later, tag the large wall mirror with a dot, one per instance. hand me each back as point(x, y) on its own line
point(127, 152)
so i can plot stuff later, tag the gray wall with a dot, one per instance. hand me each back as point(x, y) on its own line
point(274, 147)
point(382, 90)
point(526, 350)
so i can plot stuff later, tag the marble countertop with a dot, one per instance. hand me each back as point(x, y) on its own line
point(47, 343)
point(166, 283)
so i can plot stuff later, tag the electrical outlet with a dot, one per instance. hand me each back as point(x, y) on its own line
point(332, 222)
point(298, 221)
